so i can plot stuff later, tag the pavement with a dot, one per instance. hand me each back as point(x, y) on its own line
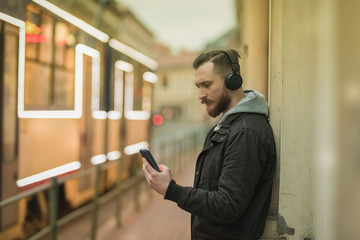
point(157, 219)
point(150, 217)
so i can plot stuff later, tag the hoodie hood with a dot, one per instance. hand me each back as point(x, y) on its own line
point(253, 102)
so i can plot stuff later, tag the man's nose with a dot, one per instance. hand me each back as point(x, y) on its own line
point(202, 94)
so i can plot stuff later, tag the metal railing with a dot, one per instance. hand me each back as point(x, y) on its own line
point(173, 152)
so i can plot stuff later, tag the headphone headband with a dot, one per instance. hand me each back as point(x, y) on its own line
point(233, 60)
point(233, 81)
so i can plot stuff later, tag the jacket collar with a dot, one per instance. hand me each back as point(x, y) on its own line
point(229, 120)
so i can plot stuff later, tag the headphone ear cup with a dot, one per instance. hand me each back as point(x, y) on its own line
point(233, 81)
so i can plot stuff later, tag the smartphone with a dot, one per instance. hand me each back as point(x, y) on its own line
point(147, 154)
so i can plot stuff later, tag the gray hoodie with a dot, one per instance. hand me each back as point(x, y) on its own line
point(253, 102)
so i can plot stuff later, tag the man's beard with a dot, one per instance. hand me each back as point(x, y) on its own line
point(221, 105)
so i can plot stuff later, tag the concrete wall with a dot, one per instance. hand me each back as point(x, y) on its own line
point(348, 162)
point(338, 123)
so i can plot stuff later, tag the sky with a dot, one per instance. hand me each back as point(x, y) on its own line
point(184, 24)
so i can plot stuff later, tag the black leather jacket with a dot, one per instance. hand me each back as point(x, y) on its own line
point(233, 180)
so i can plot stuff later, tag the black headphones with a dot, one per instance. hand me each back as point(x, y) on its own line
point(233, 81)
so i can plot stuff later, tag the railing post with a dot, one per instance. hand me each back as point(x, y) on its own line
point(53, 207)
point(178, 154)
point(119, 188)
point(183, 152)
point(173, 154)
point(95, 204)
point(137, 182)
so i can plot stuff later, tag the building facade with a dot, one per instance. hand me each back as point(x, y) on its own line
point(175, 95)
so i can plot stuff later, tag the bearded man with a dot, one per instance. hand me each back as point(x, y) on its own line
point(234, 172)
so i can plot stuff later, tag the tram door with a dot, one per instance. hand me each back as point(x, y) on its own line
point(9, 42)
point(79, 191)
point(86, 123)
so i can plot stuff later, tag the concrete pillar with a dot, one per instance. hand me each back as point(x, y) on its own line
point(275, 93)
point(292, 81)
point(253, 23)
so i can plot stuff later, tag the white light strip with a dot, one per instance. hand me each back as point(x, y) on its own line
point(95, 97)
point(125, 66)
point(132, 149)
point(118, 89)
point(114, 115)
point(137, 115)
point(79, 66)
point(99, 114)
point(12, 20)
point(119, 46)
point(74, 20)
point(48, 174)
point(114, 155)
point(129, 92)
point(21, 60)
point(82, 49)
point(49, 114)
point(98, 159)
point(150, 77)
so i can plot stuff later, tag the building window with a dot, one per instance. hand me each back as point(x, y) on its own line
point(164, 81)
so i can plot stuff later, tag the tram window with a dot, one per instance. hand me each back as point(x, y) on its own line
point(33, 31)
point(31, 48)
point(9, 95)
point(118, 90)
point(137, 91)
point(64, 78)
point(45, 39)
point(37, 87)
point(129, 91)
point(63, 85)
point(50, 61)
point(138, 88)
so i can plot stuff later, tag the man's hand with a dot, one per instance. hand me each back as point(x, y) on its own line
point(159, 181)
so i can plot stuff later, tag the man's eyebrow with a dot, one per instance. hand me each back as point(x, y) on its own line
point(202, 83)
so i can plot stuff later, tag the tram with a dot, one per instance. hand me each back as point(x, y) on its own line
point(71, 97)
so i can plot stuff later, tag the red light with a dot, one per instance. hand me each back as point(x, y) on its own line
point(35, 38)
point(158, 120)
